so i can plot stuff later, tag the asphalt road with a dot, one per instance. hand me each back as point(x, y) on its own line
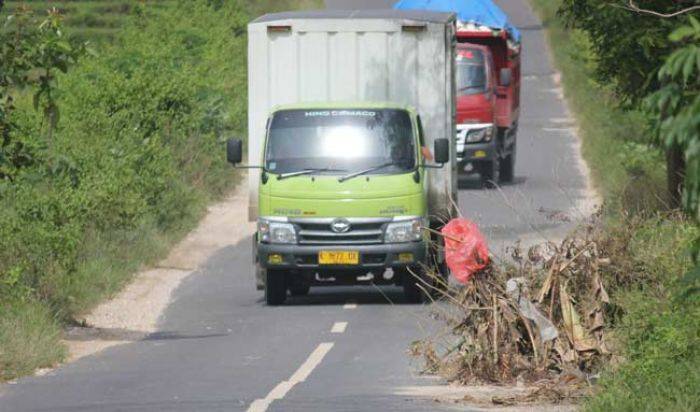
point(549, 193)
point(342, 349)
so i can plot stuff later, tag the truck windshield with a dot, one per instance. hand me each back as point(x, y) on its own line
point(471, 72)
point(338, 141)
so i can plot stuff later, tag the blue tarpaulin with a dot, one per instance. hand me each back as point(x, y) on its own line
point(483, 12)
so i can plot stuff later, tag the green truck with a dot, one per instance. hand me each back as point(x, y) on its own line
point(345, 180)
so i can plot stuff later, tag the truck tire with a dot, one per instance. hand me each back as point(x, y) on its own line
point(507, 168)
point(275, 287)
point(489, 173)
point(412, 292)
point(259, 277)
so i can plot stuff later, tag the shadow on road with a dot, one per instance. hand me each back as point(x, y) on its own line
point(166, 335)
point(340, 295)
point(87, 334)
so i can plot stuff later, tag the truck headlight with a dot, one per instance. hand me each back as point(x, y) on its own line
point(271, 231)
point(480, 135)
point(409, 230)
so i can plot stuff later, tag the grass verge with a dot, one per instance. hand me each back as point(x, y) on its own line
point(29, 335)
point(658, 334)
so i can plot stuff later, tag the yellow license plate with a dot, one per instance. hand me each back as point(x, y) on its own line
point(338, 258)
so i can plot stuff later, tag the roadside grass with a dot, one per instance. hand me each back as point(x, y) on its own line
point(657, 333)
point(140, 150)
point(662, 369)
point(29, 337)
point(106, 263)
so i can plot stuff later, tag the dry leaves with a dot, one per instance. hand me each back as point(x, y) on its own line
point(539, 319)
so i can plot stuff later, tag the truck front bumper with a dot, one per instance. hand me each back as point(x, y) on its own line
point(305, 257)
point(475, 152)
point(468, 152)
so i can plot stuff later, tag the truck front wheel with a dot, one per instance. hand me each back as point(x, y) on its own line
point(489, 173)
point(259, 277)
point(411, 279)
point(507, 172)
point(275, 287)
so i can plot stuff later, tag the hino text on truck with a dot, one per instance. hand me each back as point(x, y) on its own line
point(351, 145)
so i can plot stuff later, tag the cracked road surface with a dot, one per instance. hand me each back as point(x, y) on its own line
point(219, 348)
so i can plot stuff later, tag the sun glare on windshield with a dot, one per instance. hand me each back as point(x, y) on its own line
point(348, 141)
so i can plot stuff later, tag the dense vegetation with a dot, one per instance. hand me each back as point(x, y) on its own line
point(109, 153)
point(635, 92)
point(653, 64)
point(96, 21)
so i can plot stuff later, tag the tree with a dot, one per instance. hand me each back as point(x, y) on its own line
point(676, 109)
point(630, 43)
point(31, 53)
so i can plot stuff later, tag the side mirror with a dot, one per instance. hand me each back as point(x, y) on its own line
point(442, 150)
point(506, 77)
point(234, 151)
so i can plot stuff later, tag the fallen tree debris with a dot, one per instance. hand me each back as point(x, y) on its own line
point(538, 318)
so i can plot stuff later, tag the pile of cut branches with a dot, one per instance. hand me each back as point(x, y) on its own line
point(540, 317)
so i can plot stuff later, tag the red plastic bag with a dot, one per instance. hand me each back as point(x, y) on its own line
point(466, 251)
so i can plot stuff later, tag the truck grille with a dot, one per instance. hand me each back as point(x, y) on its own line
point(317, 231)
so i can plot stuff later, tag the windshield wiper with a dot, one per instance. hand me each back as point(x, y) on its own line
point(365, 171)
point(308, 172)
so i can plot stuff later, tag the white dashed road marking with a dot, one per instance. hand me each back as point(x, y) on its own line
point(339, 327)
point(350, 305)
point(281, 390)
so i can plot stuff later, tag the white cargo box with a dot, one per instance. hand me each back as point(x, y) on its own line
point(349, 56)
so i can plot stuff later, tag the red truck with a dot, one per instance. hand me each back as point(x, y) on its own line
point(488, 102)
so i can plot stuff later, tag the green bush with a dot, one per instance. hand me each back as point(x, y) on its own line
point(130, 166)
